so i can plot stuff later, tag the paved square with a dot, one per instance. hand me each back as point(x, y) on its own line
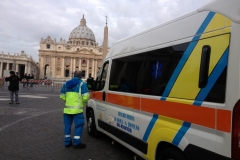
point(33, 129)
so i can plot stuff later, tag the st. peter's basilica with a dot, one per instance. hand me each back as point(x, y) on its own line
point(58, 60)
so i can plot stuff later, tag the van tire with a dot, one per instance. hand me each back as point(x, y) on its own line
point(171, 154)
point(91, 126)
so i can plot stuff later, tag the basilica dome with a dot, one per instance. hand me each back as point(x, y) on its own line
point(82, 32)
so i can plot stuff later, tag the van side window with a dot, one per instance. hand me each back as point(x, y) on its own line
point(126, 74)
point(159, 67)
point(101, 78)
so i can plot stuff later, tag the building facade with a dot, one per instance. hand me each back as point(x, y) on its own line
point(20, 63)
point(58, 60)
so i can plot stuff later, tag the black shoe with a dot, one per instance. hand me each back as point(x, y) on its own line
point(79, 146)
point(10, 102)
point(69, 145)
point(17, 102)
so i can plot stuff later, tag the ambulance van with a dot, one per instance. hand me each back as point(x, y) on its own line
point(173, 92)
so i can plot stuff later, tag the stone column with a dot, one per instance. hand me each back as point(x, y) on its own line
point(87, 70)
point(74, 64)
point(26, 69)
point(92, 67)
point(96, 68)
point(29, 68)
point(62, 73)
point(17, 67)
point(71, 67)
point(7, 66)
point(1, 69)
point(41, 68)
point(53, 66)
point(80, 64)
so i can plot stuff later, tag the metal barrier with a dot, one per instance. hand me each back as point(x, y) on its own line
point(43, 84)
point(56, 85)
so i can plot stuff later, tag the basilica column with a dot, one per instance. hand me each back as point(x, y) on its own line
point(80, 64)
point(96, 67)
point(86, 75)
point(53, 66)
point(71, 67)
point(1, 69)
point(41, 67)
point(92, 67)
point(62, 73)
point(74, 64)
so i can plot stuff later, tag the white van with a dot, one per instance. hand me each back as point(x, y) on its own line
point(172, 92)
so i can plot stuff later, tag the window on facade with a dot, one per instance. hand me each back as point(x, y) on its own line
point(77, 49)
point(67, 60)
point(47, 59)
point(48, 46)
point(91, 43)
point(87, 43)
point(99, 63)
point(59, 48)
point(82, 42)
point(101, 78)
point(58, 60)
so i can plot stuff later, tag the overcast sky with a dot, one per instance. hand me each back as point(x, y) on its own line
point(24, 22)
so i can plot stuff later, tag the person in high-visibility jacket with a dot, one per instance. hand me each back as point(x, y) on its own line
point(75, 95)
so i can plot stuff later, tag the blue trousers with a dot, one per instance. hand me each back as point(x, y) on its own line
point(78, 126)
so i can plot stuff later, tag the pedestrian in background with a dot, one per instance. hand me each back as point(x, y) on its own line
point(13, 86)
point(27, 78)
point(90, 81)
point(75, 95)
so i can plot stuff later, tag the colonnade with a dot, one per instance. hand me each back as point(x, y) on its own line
point(14, 66)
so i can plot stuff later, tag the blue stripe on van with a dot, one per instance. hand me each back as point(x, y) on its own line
point(150, 127)
point(186, 55)
point(221, 65)
point(182, 131)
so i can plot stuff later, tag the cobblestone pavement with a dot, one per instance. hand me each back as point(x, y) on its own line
point(33, 129)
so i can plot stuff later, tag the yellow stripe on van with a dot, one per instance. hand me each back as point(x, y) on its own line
point(228, 22)
point(216, 23)
point(186, 85)
point(165, 129)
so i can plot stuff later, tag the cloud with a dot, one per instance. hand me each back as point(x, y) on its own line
point(24, 22)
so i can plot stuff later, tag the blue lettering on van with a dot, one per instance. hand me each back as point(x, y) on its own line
point(127, 116)
point(124, 127)
point(133, 126)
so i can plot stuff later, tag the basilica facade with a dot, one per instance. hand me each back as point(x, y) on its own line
point(58, 60)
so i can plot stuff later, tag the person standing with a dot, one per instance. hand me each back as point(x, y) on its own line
point(27, 78)
point(90, 82)
point(13, 86)
point(75, 95)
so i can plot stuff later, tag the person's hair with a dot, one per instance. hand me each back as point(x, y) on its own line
point(12, 72)
point(78, 74)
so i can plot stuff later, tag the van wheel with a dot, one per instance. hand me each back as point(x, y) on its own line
point(91, 127)
point(171, 154)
